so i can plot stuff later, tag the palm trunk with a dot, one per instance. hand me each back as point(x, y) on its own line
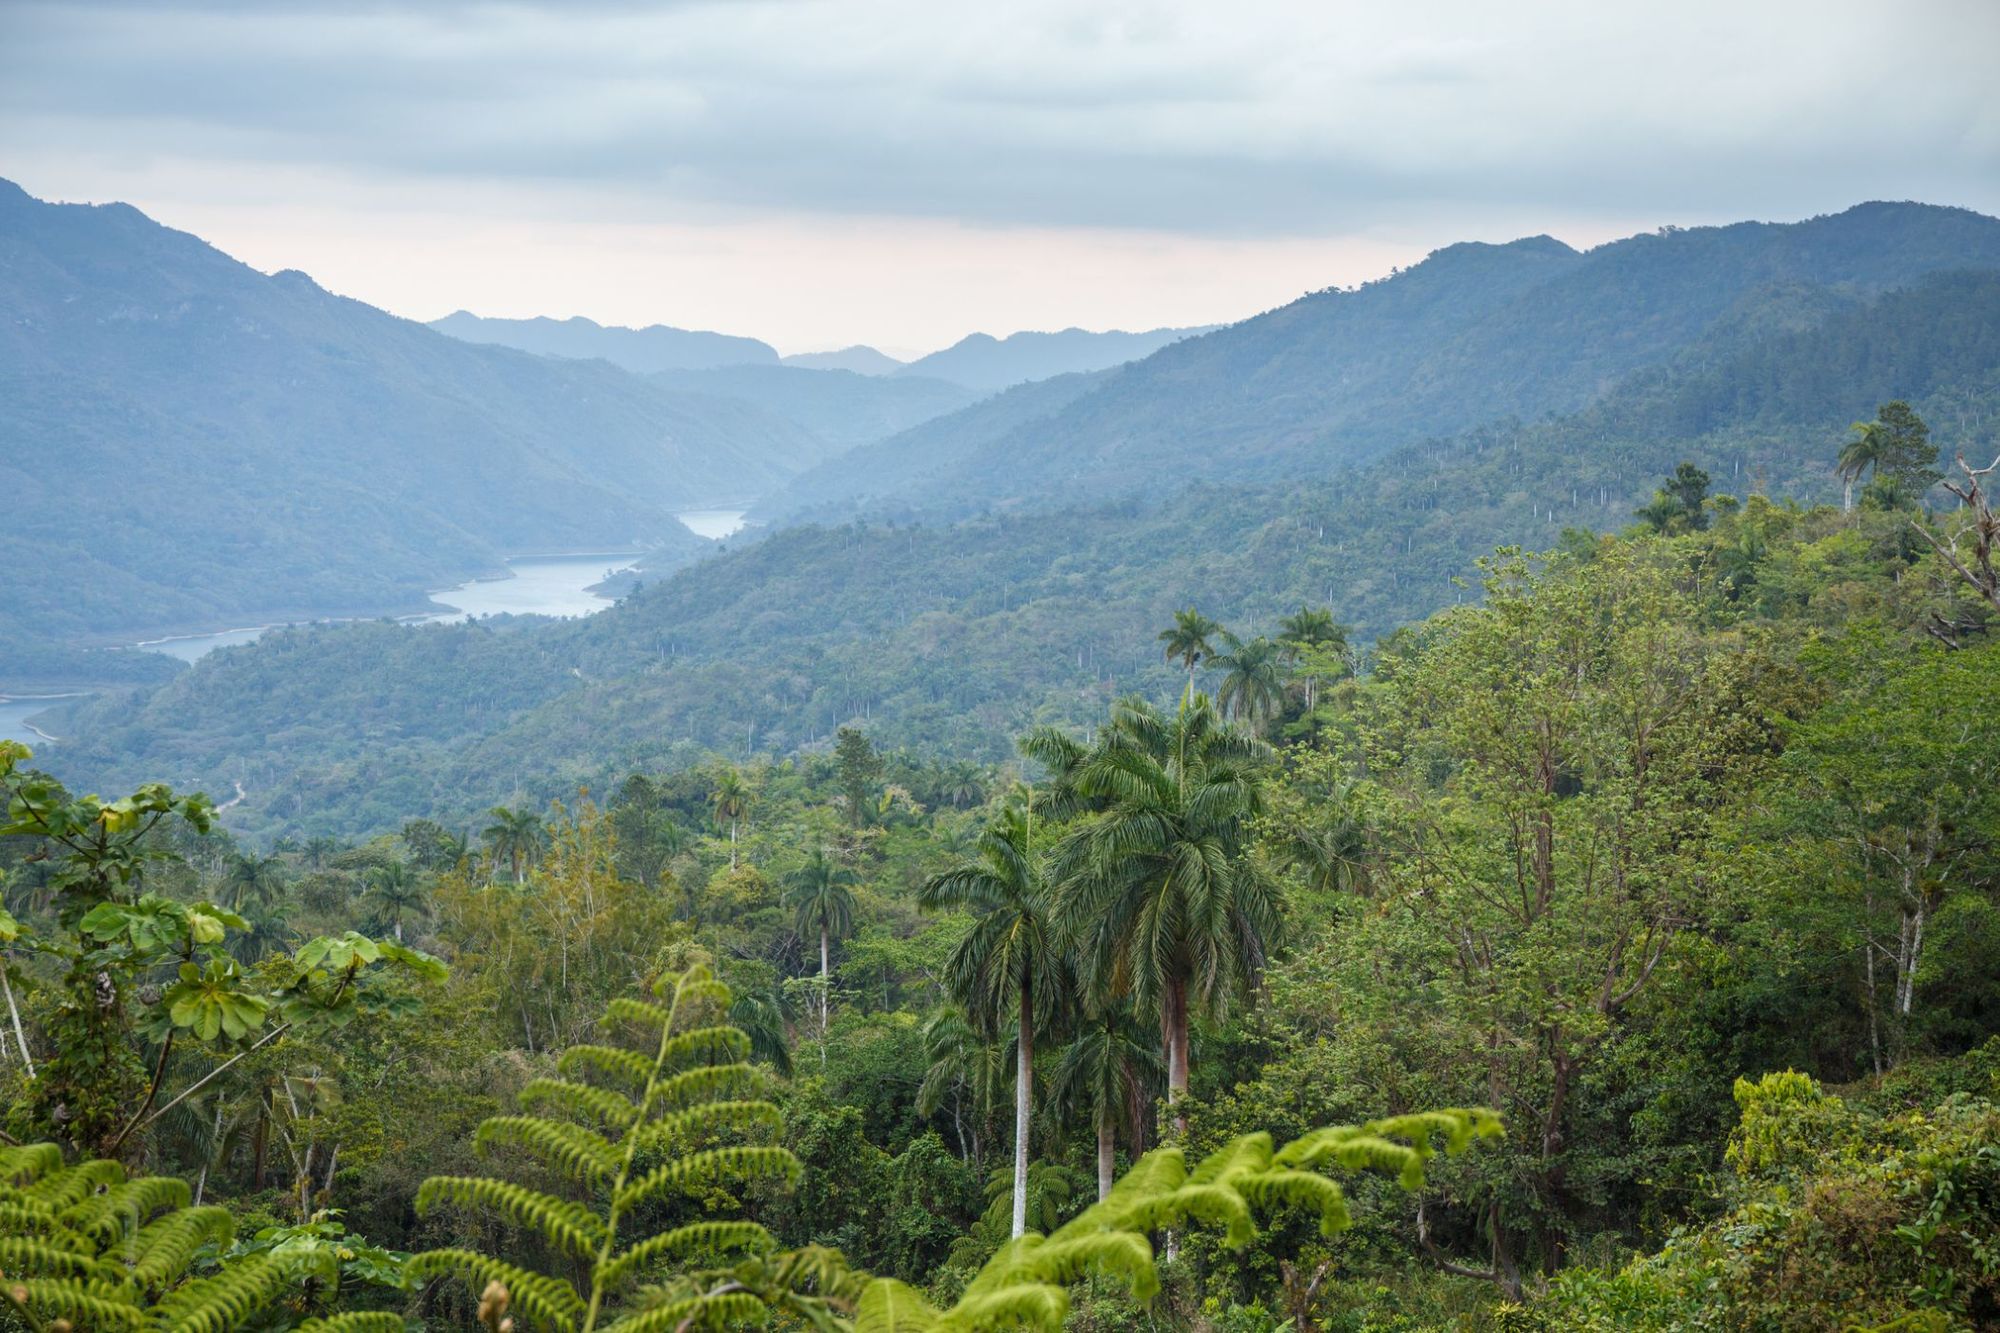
point(1024, 1073)
point(732, 844)
point(1847, 496)
point(1107, 1155)
point(825, 988)
point(1177, 1050)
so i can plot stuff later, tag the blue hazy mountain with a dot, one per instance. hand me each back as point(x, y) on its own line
point(642, 351)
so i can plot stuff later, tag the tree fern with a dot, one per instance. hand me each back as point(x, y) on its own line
point(85, 1245)
point(1026, 1282)
point(627, 1127)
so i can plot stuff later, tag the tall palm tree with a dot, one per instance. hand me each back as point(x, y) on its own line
point(1108, 1071)
point(1157, 887)
point(1012, 963)
point(254, 880)
point(395, 891)
point(514, 836)
point(730, 799)
point(1253, 680)
point(822, 897)
point(1316, 637)
point(763, 1016)
point(1868, 448)
point(1191, 639)
point(966, 1069)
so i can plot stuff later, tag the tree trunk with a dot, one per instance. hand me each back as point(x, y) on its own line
point(14, 1012)
point(1107, 1155)
point(1176, 1018)
point(1024, 1076)
point(1847, 495)
point(825, 987)
point(732, 844)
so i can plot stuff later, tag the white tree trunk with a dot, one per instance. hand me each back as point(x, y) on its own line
point(1107, 1156)
point(14, 1012)
point(1024, 1074)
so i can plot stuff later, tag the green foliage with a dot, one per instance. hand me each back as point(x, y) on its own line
point(651, 1127)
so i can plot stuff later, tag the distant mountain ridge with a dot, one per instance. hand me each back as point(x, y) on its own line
point(987, 364)
point(642, 351)
point(1475, 333)
point(861, 359)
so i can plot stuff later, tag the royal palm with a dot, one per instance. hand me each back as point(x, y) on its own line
point(821, 895)
point(1011, 965)
point(1156, 886)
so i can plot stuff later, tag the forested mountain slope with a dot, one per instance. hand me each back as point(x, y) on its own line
point(1474, 334)
point(190, 441)
point(956, 637)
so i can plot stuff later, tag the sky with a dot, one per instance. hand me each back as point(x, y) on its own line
point(902, 172)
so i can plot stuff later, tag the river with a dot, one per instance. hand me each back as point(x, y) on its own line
point(15, 711)
point(536, 585)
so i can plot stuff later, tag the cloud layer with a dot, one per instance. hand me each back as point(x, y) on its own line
point(1253, 124)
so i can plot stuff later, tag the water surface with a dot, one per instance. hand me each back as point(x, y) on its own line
point(554, 585)
point(714, 524)
point(15, 710)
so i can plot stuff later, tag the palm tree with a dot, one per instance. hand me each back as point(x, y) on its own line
point(822, 896)
point(254, 879)
point(764, 1017)
point(961, 1066)
point(1253, 680)
point(1013, 961)
point(514, 836)
point(1331, 844)
point(396, 891)
point(1156, 886)
point(1109, 1070)
point(730, 799)
point(1191, 640)
point(1315, 636)
point(1868, 448)
point(319, 850)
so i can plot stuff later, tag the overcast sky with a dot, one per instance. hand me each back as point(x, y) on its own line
point(820, 172)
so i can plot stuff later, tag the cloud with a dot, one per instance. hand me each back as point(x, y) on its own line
point(1254, 123)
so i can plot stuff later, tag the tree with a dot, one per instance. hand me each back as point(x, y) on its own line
point(1679, 505)
point(966, 1068)
point(395, 892)
point(1191, 639)
point(516, 837)
point(1253, 680)
point(730, 799)
point(254, 880)
point(860, 768)
point(1156, 884)
point(1012, 962)
point(1895, 447)
point(821, 896)
point(1108, 1072)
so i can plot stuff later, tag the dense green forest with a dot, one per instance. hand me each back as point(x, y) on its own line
point(955, 638)
point(1614, 949)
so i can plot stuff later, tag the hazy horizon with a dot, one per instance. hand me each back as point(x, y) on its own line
point(898, 175)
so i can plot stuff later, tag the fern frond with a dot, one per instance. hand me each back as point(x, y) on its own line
point(606, 1106)
point(1025, 1305)
point(628, 1069)
point(24, 1256)
point(123, 1207)
point(741, 1162)
point(569, 1226)
point(21, 1166)
point(83, 1305)
point(643, 1012)
point(584, 1154)
point(1302, 1190)
point(228, 1299)
point(889, 1306)
point(683, 1125)
point(63, 1188)
point(357, 1321)
point(710, 1045)
point(542, 1299)
point(704, 1083)
point(725, 1309)
point(22, 1218)
point(163, 1249)
point(715, 1239)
